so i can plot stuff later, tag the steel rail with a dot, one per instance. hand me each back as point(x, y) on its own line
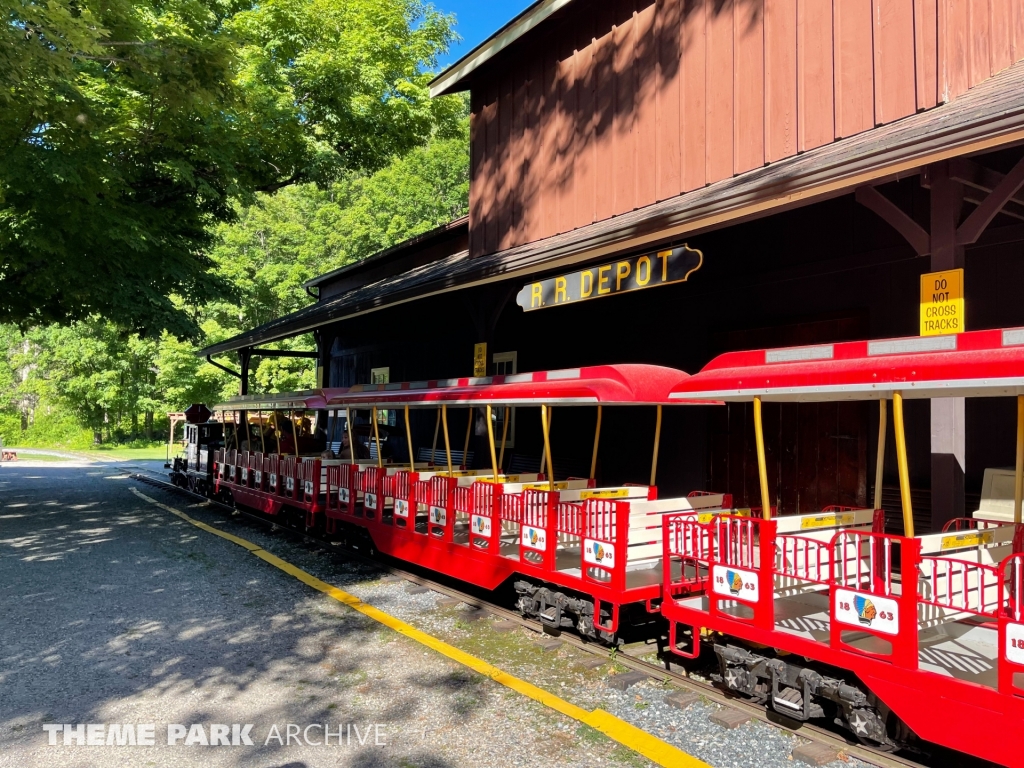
point(804, 730)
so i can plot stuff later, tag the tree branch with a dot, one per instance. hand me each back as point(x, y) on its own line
point(275, 186)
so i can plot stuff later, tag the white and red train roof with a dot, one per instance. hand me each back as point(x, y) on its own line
point(974, 364)
point(630, 384)
point(286, 401)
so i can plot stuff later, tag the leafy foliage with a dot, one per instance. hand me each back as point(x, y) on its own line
point(130, 130)
point(59, 380)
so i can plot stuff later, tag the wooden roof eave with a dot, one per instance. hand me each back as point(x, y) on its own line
point(987, 116)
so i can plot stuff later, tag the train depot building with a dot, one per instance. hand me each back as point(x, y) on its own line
point(662, 182)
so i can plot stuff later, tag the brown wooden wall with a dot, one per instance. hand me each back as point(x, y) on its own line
point(621, 103)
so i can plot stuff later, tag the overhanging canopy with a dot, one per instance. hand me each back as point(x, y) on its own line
point(987, 116)
point(973, 364)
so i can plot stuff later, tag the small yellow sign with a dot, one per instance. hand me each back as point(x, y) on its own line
point(480, 360)
point(967, 540)
point(561, 485)
point(612, 493)
point(827, 521)
point(942, 303)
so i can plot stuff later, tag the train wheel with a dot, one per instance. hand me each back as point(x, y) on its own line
point(863, 723)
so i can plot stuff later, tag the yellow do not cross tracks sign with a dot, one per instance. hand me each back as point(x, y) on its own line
point(942, 303)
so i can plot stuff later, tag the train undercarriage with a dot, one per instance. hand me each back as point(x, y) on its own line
point(805, 692)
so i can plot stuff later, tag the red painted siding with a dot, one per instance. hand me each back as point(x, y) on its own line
point(780, 78)
point(616, 104)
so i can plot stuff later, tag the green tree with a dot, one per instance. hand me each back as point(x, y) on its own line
point(286, 239)
point(130, 130)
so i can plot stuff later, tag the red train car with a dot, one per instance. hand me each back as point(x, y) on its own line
point(581, 554)
point(891, 635)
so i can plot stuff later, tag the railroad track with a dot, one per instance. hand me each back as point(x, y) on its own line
point(807, 731)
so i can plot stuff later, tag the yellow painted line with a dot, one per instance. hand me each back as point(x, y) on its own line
point(651, 747)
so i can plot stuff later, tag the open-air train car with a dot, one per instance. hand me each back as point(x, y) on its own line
point(582, 552)
point(273, 451)
point(932, 626)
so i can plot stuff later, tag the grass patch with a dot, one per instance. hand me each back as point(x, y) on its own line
point(24, 455)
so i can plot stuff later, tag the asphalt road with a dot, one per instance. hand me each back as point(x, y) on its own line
point(113, 611)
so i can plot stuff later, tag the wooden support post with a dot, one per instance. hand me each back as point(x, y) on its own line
point(880, 458)
point(408, 436)
point(504, 435)
point(263, 444)
point(490, 442)
point(465, 447)
point(657, 444)
point(376, 438)
point(447, 442)
point(1018, 476)
point(597, 442)
point(912, 232)
point(762, 467)
point(544, 451)
point(982, 216)
point(433, 447)
point(545, 423)
point(352, 457)
point(295, 433)
point(948, 443)
point(244, 359)
point(901, 458)
point(234, 423)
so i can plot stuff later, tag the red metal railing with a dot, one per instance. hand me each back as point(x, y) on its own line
point(803, 558)
point(736, 541)
point(864, 561)
point(961, 586)
point(688, 542)
point(958, 524)
point(440, 514)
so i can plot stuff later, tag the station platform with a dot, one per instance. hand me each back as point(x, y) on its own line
point(118, 612)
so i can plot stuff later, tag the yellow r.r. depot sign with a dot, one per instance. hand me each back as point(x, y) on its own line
point(673, 265)
point(942, 303)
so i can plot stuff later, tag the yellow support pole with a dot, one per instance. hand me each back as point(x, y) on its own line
point(263, 444)
point(351, 443)
point(408, 436)
point(433, 447)
point(1018, 477)
point(545, 423)
point(544, 451)
point(234, 424)
point(504, 434)
point(376, 438)
point(901, 459)
point(762, 468)
point(295, 434)
point(880, 462)
point(465, 448)
point(657, 444)
point(597, 442)
point(447, 444)
point(277, 433)
point(490, 440)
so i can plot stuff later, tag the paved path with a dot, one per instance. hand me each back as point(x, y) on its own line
point(116, 612)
